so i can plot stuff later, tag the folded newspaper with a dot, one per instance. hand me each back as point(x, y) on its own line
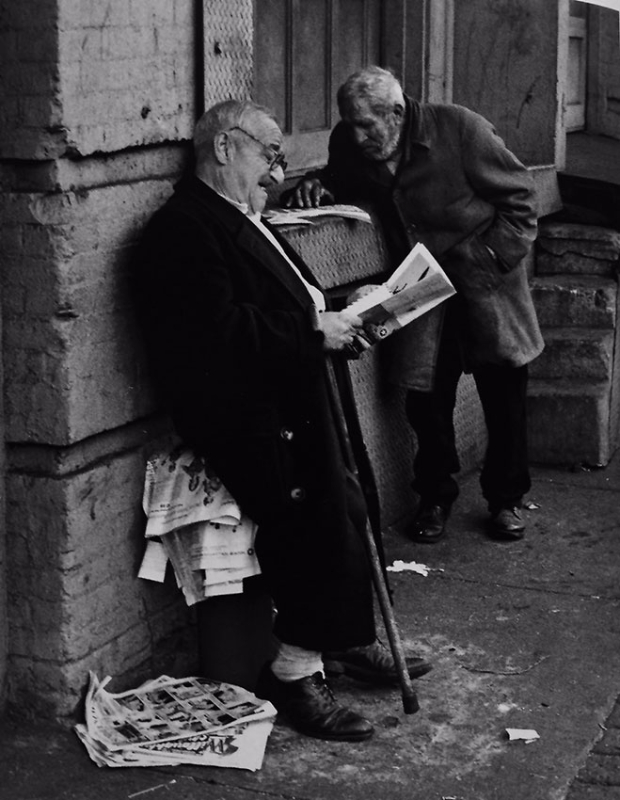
point(416, 286)
point(305, 216)
point(194, 523)
point(176, 721)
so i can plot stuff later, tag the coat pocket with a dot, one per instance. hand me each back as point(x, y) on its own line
point(472, 267)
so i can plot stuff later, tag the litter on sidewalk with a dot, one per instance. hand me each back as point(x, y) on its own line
point(170, 721)
point(413, 566)
point(526, 735)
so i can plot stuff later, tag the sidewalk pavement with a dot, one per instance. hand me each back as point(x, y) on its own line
point(522, 635)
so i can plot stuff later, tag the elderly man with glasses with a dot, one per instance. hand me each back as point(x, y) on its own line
point(239, 337)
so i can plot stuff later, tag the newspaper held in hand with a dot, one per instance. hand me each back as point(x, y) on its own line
point(416, 286)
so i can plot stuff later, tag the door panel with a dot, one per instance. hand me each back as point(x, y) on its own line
point(576, 83)
point(304, 50)
point(311, 47)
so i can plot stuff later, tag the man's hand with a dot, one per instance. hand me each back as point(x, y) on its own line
point(360, 292)
point(339, 328)
point(308, 194)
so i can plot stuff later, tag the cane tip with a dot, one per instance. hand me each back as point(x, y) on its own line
point(410, 704)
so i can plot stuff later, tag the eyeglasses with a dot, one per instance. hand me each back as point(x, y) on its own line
point(274, 161)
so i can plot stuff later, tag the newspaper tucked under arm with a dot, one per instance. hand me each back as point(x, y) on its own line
point(415, 287)
point(195, 523)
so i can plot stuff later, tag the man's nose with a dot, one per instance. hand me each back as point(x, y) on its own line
point(276, 173)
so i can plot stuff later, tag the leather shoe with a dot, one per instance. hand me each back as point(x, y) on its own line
point(372, 663)
point(311, 708)
point(507, 523)
point(430, 524)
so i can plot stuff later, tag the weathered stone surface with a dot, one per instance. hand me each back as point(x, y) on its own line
point(609, 745)
point(571, 263)
point(572, 249)
point(587, 238)
point(580, 354)
point(56, 689)
point(81, 77)
point(614, 717)
point(568, 423)
point(584, 791)
point(73, 361)
point(76, 601)
point(601, 770)
point(577, 301)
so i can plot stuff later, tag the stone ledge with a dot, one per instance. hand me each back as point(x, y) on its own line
point(580, 354)
point(578, 301)
point(58, 462)
point(605, 238)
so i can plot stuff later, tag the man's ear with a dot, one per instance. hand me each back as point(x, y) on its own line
point(399, 110)
point(222, 147)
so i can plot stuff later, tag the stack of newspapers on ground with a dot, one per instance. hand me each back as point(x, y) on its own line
point(194, 523)
point(176, 721)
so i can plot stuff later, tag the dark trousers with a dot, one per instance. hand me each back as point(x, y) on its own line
point(502, 390)
point(319, 575)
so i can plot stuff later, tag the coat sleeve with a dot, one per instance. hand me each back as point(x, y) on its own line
point(498, 176)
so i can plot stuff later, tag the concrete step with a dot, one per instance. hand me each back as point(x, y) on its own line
point(574, 249)
point(569, 422)
point(578, 354)
point(585, 301)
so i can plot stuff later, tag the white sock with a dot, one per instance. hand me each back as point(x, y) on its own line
point(293, 663)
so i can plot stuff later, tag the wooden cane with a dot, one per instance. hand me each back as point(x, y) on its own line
point(409, 697)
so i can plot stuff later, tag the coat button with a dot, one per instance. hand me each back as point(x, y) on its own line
point(287, 434)
point(298, 494)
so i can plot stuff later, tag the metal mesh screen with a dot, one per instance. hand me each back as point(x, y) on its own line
point(340, 251)
point(228, 50)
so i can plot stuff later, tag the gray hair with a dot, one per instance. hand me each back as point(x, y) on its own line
point(378, 86)
point(221, 117)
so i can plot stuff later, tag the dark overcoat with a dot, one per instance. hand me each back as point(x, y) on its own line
point(234, 351)
point(459, 191)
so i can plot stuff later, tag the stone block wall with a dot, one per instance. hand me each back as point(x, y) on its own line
point(84, 77)
point(97, 103)
point(76, 605)
point(574, 403)
point(67, 320)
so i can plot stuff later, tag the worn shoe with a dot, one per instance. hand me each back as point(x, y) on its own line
point(311, 708)
point(507, 523)
point(372, 664)
point(430, 524)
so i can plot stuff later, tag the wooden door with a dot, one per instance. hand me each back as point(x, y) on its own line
point(303, 50)
point(576, 80)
